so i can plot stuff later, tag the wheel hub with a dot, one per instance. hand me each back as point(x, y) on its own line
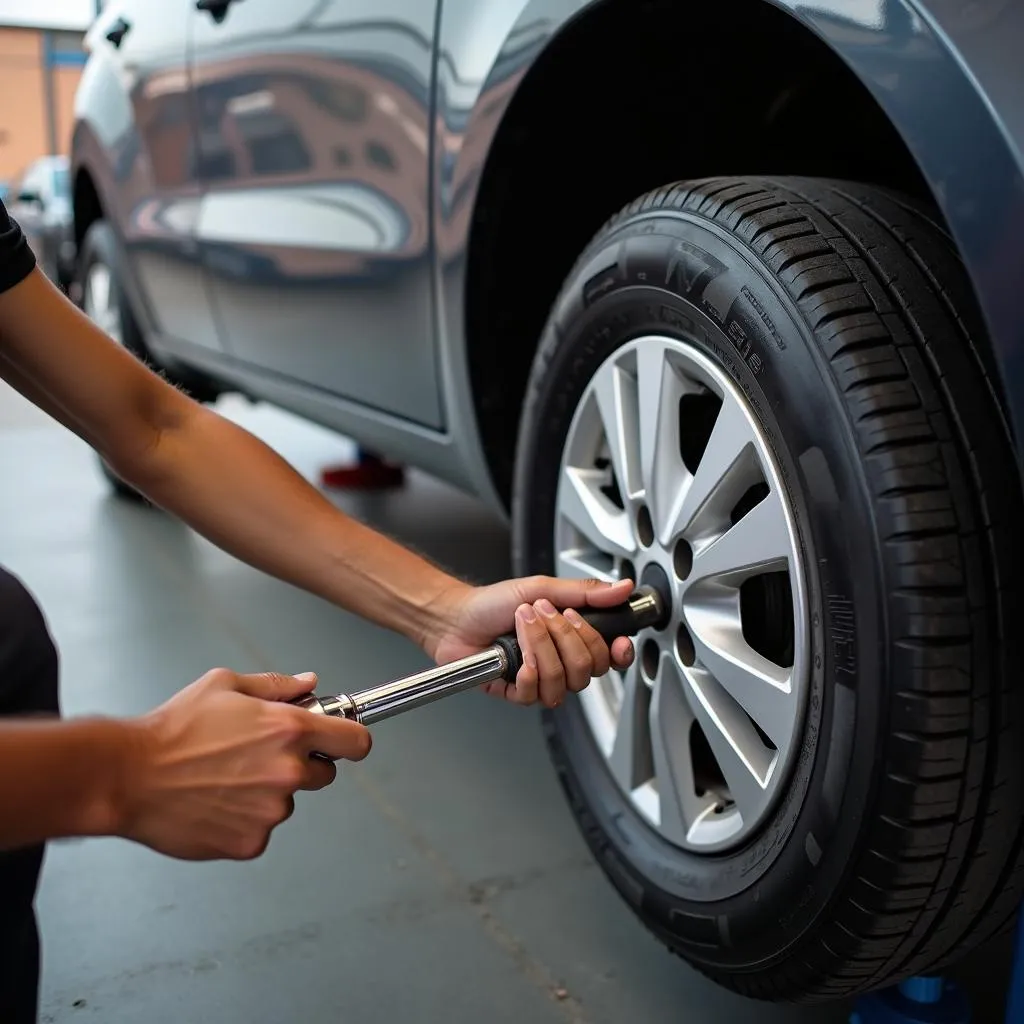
point(654, 576)
point(667, 478)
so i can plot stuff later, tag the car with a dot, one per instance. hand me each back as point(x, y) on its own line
point(40, 202)
point(720, 297)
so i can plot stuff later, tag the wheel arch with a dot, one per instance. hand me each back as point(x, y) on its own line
point(86, 204)
point(890, 101)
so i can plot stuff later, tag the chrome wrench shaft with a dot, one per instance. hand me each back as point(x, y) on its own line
point(386, 700)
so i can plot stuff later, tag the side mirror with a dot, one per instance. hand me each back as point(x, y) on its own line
point(30, 197)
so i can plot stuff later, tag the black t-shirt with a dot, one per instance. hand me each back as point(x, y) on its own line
point(17, 260)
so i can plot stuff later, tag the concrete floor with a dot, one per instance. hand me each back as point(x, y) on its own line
point(440, 880)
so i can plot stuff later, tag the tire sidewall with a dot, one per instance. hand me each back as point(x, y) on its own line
point(750, 904)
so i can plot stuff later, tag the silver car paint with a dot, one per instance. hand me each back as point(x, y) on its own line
point(945, 72)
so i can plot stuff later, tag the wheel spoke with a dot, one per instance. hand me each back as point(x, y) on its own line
point(607, 527)
point(616, 392)
point(726, 469)
point(762, 689)
point(760, 541)
point(630, 759)
point(743, 759)
point(659, 389)
point(576, 565)
point(670, 723)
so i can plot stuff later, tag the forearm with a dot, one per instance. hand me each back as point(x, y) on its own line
point(233, 489)
point(218, 478)
point(59, 779)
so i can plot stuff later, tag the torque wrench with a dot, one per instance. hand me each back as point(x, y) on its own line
point(502, 660)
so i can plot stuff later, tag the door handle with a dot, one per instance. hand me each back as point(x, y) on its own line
point(217, 9)
point(118, 31)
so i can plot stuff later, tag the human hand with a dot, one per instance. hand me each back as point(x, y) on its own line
point(561, 651)
point(216, 767)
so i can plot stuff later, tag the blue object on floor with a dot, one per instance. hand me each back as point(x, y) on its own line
point(939, 1001)
point(1015, 1003)
point(916, 1001)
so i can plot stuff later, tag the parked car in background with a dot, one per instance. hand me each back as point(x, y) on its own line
point(720, 296)
point(41, 203)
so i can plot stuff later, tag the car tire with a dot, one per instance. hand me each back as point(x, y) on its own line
point(830, 331)
point(105, 301)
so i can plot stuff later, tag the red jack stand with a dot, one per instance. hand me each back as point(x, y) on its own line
point(370, 473)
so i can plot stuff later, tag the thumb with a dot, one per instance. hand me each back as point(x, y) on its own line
point(569, 593)
point(275, 685)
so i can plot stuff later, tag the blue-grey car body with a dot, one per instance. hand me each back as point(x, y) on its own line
point(366, 332)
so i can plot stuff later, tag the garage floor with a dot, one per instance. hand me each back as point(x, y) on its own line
point(440, 880)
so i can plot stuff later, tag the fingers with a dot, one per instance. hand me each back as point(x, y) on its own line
point(529, 631)
point(542, 671)
point(553, 651)
point(594, 642)
point(622, 653)
point(318, 774)
point(569, 651)
point(574, 593)
point(561, 650)
point(573, 652)
point(337, 738)
point(269, 685)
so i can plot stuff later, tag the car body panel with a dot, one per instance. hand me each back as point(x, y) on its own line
point(314, 224)
point(134, 132)
point(943, 72)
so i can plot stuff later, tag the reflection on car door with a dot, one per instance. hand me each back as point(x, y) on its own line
point(141, 91)
point(313, 132)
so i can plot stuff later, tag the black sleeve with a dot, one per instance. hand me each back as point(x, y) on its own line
point(17, 260)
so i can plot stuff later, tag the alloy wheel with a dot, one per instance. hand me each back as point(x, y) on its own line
point(667, 476)
point(99, 301)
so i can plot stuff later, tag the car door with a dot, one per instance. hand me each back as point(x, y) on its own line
point(313, 138)
point(135, 88)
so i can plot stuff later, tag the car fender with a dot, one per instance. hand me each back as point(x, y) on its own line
point(944, 73)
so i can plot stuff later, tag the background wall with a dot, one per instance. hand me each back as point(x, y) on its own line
point(59, 14)
point(41, 59)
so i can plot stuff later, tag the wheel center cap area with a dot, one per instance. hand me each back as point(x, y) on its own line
point(655, 577)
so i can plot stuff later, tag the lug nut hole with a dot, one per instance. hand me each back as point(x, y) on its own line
point(650, 655)
point(682, 559)
point(627, 570)
point(645, 527)
point(684, 645)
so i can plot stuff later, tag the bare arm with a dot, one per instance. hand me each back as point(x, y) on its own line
point(66, 779)
point(218, 478)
